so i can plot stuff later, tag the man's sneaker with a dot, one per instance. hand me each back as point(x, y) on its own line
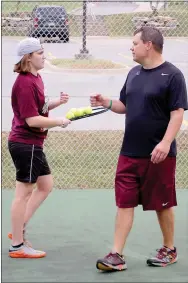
point(26, 242)
point(113, 261)
point(163, 257)
point(25, 252)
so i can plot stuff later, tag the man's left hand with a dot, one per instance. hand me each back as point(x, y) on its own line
point(160, 152)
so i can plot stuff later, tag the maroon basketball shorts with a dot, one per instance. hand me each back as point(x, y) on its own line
point(139, 181)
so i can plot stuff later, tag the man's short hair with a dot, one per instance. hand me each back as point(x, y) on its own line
point(152, 34)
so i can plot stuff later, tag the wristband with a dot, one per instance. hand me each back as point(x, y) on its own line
point(110, 106)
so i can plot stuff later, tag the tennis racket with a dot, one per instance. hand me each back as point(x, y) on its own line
point(95, 111)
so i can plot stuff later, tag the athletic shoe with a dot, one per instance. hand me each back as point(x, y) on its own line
point(164, 257)
point(112, 262)
point(26, 242)
point(25, 252)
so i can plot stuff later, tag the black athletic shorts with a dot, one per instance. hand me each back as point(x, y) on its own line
point(29, 160)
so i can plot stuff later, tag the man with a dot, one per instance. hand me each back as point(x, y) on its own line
point(29, 130)
point(153, 98)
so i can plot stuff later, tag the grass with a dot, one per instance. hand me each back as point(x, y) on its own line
point(27, 6)
point(122, 25)
point(87, 159)
point(85, 64)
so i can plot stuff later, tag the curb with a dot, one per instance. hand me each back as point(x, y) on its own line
point(91, 71)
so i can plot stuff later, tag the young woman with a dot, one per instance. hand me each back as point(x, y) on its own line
point(29, 129)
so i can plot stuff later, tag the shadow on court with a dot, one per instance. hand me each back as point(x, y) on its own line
point(76, 227)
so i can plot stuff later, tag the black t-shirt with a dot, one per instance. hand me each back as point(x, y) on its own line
point(149, 96)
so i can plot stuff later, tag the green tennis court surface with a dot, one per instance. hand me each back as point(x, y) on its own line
point(76, 227)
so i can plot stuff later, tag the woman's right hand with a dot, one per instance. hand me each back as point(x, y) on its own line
point(63, 122)
point(66, 122)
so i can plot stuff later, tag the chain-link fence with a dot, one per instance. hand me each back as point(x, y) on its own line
point(99, 18)
point(65, 21)
point(87, 159)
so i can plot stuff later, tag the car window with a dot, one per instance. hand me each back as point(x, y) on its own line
point(50, 11)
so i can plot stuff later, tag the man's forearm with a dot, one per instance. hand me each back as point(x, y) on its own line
point(53, 104)
point(116, 106)
point(174, 125)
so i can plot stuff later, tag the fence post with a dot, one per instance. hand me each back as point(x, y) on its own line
point(84, 53)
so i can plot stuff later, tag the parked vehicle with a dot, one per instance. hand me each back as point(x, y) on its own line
point(49, 21)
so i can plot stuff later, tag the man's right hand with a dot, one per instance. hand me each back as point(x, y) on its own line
point(97, 100)
point(114, 105)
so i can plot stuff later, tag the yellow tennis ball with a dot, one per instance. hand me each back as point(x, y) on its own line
point(78, 112)
point(70, 115)
point(73, 110)
point(88, 110)
point(82, 111)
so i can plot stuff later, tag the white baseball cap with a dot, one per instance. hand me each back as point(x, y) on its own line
point(27, 46)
